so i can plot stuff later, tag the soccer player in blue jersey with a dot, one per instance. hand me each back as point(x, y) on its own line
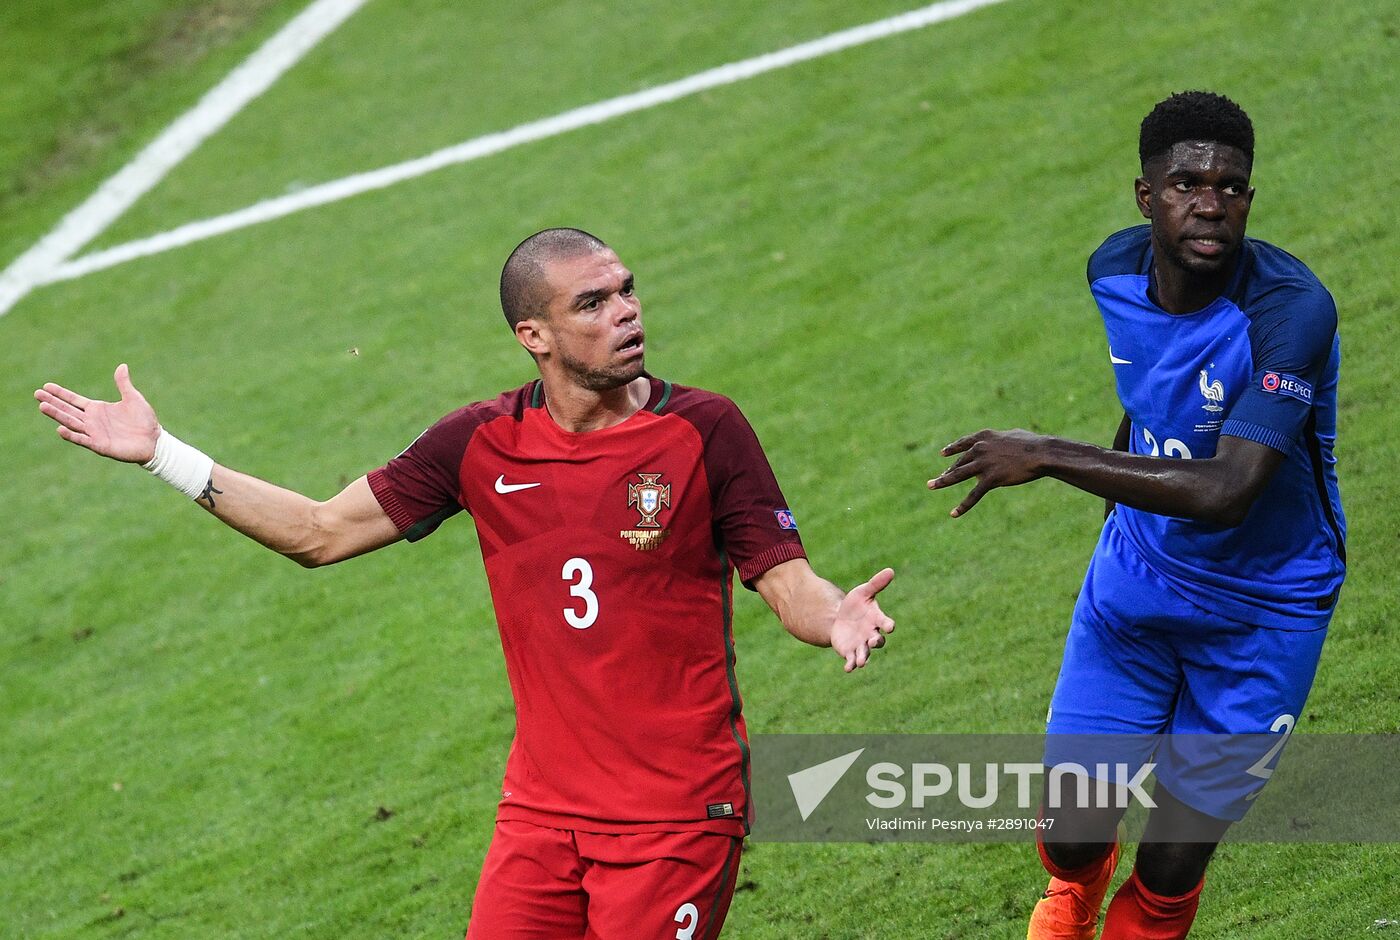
point(1208, 596)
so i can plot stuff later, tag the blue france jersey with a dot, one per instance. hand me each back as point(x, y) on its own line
point(1261, 363)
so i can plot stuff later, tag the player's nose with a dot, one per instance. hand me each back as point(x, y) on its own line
point(628, 309)
point(1210, 204)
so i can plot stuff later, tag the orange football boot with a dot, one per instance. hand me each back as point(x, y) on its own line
point(1070, 909)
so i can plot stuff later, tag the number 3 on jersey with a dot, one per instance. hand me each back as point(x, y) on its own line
point(581, 569)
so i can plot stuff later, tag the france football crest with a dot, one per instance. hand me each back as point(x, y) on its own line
point(1213, 392)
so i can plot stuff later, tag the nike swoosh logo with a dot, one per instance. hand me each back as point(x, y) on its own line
point(1116, 361)
point(503, 487)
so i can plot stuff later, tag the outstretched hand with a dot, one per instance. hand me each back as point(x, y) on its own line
point(995, 458)
point(860, 625)
point(124, 430)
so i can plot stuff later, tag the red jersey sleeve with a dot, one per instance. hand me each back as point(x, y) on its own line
point(421, 487)
point(752, 519)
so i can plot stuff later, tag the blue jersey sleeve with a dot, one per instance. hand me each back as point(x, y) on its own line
point(1292, 332)
point(1122, 252)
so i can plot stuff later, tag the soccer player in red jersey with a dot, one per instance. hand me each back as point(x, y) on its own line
point(612, 509)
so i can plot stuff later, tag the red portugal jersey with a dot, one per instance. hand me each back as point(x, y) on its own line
point(610, 556)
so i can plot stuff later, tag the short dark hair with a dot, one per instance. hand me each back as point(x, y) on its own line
point(524, 288)
point(1195, 115)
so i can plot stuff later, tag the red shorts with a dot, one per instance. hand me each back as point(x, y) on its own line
point(562, 884)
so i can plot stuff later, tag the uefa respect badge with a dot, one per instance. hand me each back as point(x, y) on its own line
point(1280, 383)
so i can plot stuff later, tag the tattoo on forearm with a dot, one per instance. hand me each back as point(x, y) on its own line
point(209, 493)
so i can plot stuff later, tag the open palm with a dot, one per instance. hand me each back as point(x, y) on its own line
point(860, 625)
point(124, 430)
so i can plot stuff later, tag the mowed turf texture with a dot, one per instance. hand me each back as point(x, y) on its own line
point(872, 253)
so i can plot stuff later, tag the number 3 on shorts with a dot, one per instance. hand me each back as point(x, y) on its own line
point(687, 915)
point(580, 568)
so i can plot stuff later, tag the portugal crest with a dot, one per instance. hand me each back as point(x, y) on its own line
point(649, 497)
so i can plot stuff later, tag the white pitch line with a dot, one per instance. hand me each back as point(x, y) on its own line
point(250, 79)
point(489, 144)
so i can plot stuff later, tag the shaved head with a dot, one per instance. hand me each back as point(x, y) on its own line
point(525, 288)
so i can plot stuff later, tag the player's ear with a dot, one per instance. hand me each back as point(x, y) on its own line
point(1142, 193)
point(533, 334)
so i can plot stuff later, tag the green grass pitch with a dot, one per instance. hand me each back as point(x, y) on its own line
point(871, 253)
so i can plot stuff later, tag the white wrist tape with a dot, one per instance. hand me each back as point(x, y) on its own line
point(186, 468)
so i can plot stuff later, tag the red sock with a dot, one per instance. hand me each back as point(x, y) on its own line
point(1137, 913)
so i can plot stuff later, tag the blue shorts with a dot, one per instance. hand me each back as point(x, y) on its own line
point(1142, 660)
